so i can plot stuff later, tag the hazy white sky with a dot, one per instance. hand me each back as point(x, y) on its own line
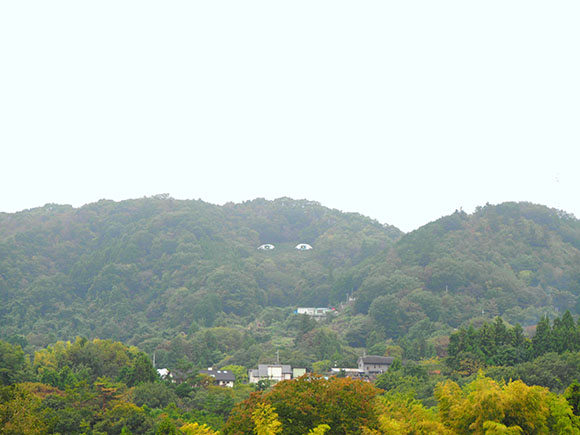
point(402, 111)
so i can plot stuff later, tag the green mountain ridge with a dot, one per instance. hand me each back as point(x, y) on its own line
point(168, 274)
point(109, 269)
point(518, 260)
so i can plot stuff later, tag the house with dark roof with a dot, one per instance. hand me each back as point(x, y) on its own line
point(222, 378)
point(373, 364)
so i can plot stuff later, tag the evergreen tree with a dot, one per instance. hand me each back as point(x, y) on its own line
point(542, 341)
point(142, 371)
point(572, 395)
point(566, 333)
point(500, 332)
point(517, 337)
point(487, 342)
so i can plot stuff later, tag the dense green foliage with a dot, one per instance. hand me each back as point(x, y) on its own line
point(343, 406)
point(519, 261)
point(302, 404)
point(550, 359)
point(102, 387)
point(492, 344)
point(144, 269)
point(184, 283)
point(82, 387)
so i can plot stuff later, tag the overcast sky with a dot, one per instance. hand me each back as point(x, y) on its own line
point(402, 111)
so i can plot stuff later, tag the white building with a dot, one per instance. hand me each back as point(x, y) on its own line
point(270, 372)
point(164, 374)
point(313, 312)
point(297, 372)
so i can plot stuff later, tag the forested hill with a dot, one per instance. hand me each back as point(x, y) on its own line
point(144, 271)
point(135, 269)
point(517, 260)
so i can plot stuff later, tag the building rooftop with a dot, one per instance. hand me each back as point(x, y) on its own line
point(219, 375)
point(262, 370)
point(375, 359)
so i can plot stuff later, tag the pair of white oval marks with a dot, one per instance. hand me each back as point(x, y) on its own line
point(300, 247)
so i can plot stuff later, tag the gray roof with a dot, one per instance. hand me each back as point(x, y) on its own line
point(374, 359)
point(262, 370)
point(220, 375)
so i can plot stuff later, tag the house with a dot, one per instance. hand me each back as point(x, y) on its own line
point(296, 372)
point(222, 378)
point(164, 374)
point(374, 365)
point(270, 372)
point(314, 312)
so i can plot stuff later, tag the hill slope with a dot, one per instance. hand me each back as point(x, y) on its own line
point(186, 278)
point(134, 269)
point(518, 260)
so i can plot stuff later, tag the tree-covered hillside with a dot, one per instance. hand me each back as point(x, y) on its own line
point(517, 260)
point(185, 278)
point(139, 269)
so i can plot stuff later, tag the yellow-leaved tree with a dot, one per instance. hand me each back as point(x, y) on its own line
point(266, 420)
point(197, 429)
point(400, 414)
point(494, 428)
point(486, 407)
point(321, 429)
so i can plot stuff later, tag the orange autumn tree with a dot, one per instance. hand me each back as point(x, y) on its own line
point(302, 404)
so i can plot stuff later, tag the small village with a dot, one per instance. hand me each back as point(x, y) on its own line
point(369, 367)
